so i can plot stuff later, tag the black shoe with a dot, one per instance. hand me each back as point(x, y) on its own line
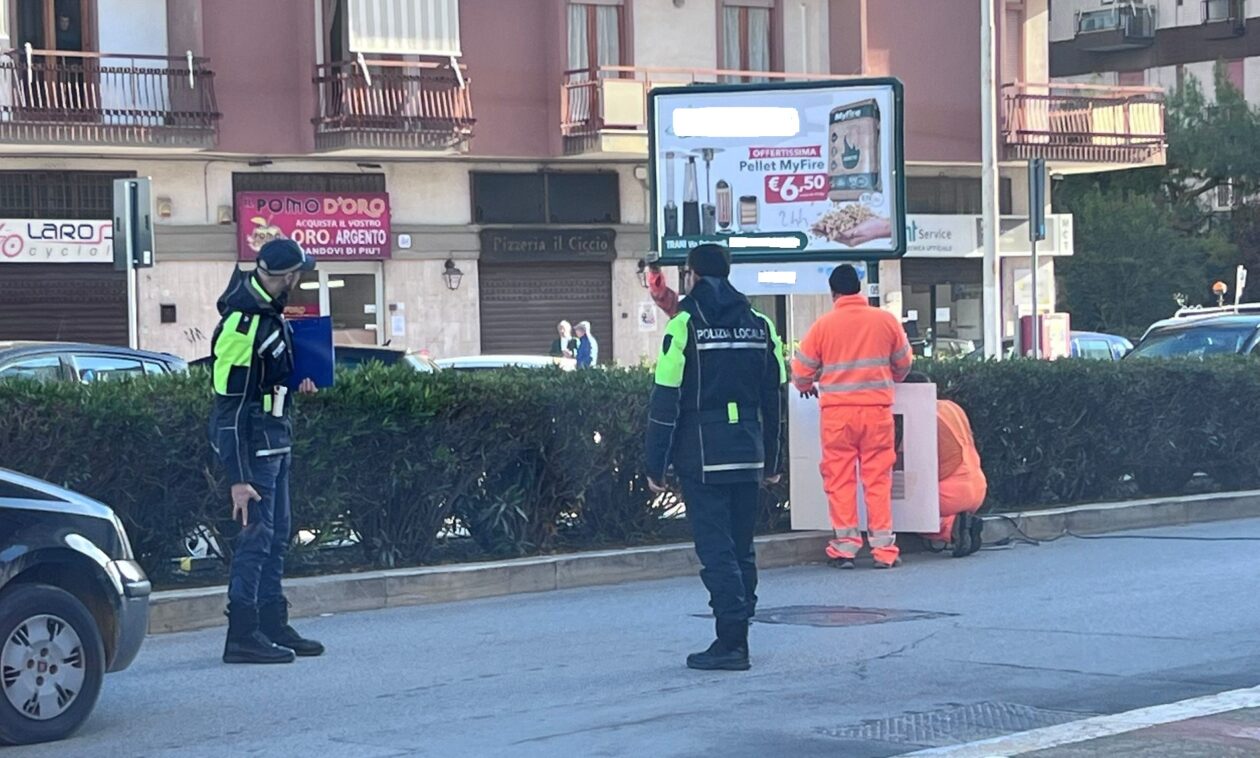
point(273, 621)
point(255, 648)
point(246, 644)
point(719, 657)
point(960, 535)
point(841, 563)
point(977, 534)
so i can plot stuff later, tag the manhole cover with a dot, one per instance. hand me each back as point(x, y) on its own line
point(839, 615)
point(955, 725)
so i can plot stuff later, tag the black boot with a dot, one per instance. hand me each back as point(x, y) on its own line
point(273, 621)
point(719, 657)
point(246, 644)
point(729, 652)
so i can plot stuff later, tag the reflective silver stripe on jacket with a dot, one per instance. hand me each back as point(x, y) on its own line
point(267, 342)
point(731, 346)
point(882, 384)
point(861, 363)
point(902, 353)
point(806, 360)
point(273, 451)
point(734, 467)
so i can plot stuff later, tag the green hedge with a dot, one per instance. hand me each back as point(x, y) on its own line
point(428, 468)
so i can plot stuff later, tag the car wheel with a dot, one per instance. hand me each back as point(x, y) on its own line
point(52, 663)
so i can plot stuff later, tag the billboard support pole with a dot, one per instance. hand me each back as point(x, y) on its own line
point(991, 305)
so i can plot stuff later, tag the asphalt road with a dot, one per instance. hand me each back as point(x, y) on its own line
point(1008, 640)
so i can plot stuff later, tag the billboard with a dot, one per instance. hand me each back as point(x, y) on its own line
point(24, 240)
point(779, 172)
point(328, 225)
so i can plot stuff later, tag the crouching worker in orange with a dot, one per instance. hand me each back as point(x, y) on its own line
point(962, 483)
point(850, 360)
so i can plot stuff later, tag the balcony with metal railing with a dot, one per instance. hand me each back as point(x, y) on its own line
point(71, 98)
point(1077, 123)
point(392, 105)
point(1124, 25)
point(605, 110)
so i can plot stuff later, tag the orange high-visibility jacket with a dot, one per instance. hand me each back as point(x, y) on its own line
point(854, 355)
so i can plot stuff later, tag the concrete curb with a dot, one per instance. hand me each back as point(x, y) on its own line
point(185, 610)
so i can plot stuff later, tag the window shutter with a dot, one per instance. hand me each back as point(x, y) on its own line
point(405, 27)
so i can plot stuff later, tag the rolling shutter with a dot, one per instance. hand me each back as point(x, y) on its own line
point(70, 302)
point(522, 303)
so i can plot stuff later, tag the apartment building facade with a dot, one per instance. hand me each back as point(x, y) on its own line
point(484, 161)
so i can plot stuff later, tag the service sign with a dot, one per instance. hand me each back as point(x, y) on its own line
point(25, 240)
point(338, 226)
point(779, 172)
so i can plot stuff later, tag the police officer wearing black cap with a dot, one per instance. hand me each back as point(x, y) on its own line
point(715, 415)
point(251, 433)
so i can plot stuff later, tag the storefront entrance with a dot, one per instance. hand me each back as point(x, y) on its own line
point(351, 293)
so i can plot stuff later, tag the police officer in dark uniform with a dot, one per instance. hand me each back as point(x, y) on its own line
point(715, 414)
point(251, 433)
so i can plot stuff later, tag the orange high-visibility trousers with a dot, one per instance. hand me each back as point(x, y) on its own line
point(961, 493)
point(865, 437)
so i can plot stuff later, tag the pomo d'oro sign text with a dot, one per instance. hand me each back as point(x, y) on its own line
point(329, 226)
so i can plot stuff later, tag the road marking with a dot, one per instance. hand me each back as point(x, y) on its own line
point(1099, 726)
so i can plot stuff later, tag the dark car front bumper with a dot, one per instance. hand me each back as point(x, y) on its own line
point(133, 614)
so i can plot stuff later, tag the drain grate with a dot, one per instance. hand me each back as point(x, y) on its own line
point(955, 725)
point(839, 615)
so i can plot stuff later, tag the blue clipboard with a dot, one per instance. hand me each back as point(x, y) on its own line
point(313, 356)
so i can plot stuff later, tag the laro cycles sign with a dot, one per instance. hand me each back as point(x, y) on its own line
point(56, 241)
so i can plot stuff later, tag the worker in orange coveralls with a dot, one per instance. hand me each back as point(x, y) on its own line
point(851, 359)
point(963, 486)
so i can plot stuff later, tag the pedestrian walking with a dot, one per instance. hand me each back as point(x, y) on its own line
point(715, 415)
point(250, 431)
point(588, 347)
point(850, 359)
point(564, 345)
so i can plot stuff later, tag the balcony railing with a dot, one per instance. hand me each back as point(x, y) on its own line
point(1084, 123)
point(614, 99)
point(376, 104)
point(63, 97)
point(1116, 27)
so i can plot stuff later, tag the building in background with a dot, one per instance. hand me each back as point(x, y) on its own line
point(477, 168)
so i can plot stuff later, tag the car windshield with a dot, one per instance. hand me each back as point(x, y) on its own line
point(1195, 342)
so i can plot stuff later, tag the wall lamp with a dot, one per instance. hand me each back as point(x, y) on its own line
point(452, 275)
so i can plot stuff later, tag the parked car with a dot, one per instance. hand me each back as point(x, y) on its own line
point(1202, 335)
point(74, 604)
point(72, 361)
point(1100, 346)
point(353, 356)
point(493, 362)
point(946, 348)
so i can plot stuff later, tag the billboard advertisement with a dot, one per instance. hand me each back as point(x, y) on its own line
point(24, 240)
point(790, 171)
point(334, 226)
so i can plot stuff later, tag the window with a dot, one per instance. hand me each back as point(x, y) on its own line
point(595, 35)
point(154, 369)
point(546, 198)
point(55, 24)
point(45, 368)
point(748, 37)
point(1131, 78)
point(1094, 349)
point(952, 194)
point(12, 491)
point(106, 368)
point(1234, 73)
point(59, 194)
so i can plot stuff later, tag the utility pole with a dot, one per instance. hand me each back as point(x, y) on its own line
point(991, 303)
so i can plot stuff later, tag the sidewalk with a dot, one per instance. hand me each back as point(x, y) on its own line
point(1215, 726)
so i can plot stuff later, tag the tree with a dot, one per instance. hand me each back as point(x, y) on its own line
point(1144, 234)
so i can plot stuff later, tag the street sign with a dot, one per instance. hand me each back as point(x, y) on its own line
point(800, 171)
point(133, 223)
point(1036, 199)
